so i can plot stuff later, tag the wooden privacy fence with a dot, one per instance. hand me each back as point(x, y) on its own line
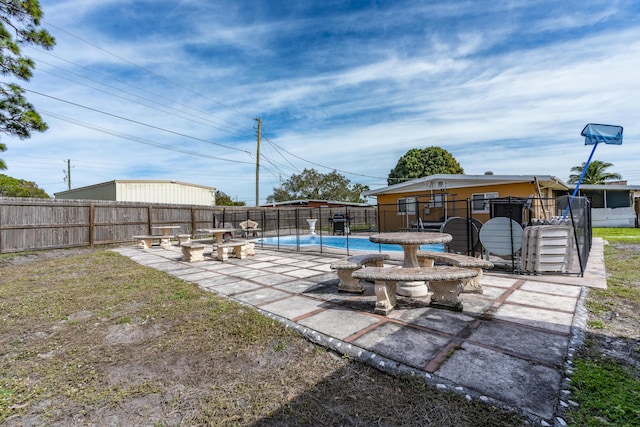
point(34, 224)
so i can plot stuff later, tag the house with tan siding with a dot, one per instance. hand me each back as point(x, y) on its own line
point(433, 199)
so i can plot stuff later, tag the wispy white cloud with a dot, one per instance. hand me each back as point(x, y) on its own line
point(505, 87)
point(574, 20)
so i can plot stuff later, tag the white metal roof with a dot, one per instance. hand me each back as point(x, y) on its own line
point(449, 181)
point(133, 181)
point(607, 187)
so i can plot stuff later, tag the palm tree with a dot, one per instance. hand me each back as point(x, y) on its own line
point(596, 173)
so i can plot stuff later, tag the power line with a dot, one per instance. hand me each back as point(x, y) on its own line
point(280, 167)
point(76, 162)
point(11, 165)
point(137, 139)
point(280, 153)
point(323, 166)
point(138, 122)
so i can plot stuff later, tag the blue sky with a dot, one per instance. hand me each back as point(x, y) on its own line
point(168, 89)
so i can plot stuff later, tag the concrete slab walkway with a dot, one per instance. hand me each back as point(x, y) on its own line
point(512, 345)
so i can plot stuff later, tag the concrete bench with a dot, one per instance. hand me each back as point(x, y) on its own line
point(237, 248)
point(345, 267)
point(147, 241)
point(427, 259)
point(192, 251)
point(205, 240)
point(184, 238)
point(445, 283)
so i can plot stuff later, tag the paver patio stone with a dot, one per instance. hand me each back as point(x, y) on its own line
point(261, 296)
point(545, 346)
point(235, 287)
point(303, 286)
point(440, 320)
point(551, 288)
point(521, 383)
point(293, 307)
point(187, 272)
point(492, 292)
point(278, 268)
point(542, 300)
point(217, 280)
point(339, 322)
point(497, 281)
point(272, 279)
point(302, 273)
point(198, 276)
point(406, 345)
point(547, 319)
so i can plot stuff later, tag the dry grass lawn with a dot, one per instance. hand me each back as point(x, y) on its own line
point(92, 338)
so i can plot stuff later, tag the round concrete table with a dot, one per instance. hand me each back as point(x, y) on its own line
point(410, 242)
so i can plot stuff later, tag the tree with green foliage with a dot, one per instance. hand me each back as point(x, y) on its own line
point(13, 187)
point(19, 27)
point(596, 173)
point(417, 163)
point(313, 185)
point(223, 200)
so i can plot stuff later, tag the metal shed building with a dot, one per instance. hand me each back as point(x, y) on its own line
point(146, 191)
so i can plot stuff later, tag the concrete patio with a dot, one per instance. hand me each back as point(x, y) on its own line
point(511, 346)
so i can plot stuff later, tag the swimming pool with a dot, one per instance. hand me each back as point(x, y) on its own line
point(340, 242)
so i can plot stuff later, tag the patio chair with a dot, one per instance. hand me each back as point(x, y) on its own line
point(249, 226)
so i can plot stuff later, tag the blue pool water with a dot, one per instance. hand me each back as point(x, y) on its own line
point(340, 242)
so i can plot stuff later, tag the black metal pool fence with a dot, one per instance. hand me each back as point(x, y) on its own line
point(41, 224)
point(461, 218)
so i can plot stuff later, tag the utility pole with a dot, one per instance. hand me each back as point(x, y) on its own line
point(259, 120)
point(67, 174)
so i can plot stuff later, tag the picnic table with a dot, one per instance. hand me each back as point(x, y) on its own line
point(410, 242)
point(166, 233)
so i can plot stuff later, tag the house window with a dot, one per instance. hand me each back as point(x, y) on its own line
point(407, 205)
point(436, 201)
point(480, 201)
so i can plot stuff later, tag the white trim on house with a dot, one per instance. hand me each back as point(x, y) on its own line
point(450, 181)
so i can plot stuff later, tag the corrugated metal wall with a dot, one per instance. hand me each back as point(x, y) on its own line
point(168, 192)
point(104, 191)
point(164, 192)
